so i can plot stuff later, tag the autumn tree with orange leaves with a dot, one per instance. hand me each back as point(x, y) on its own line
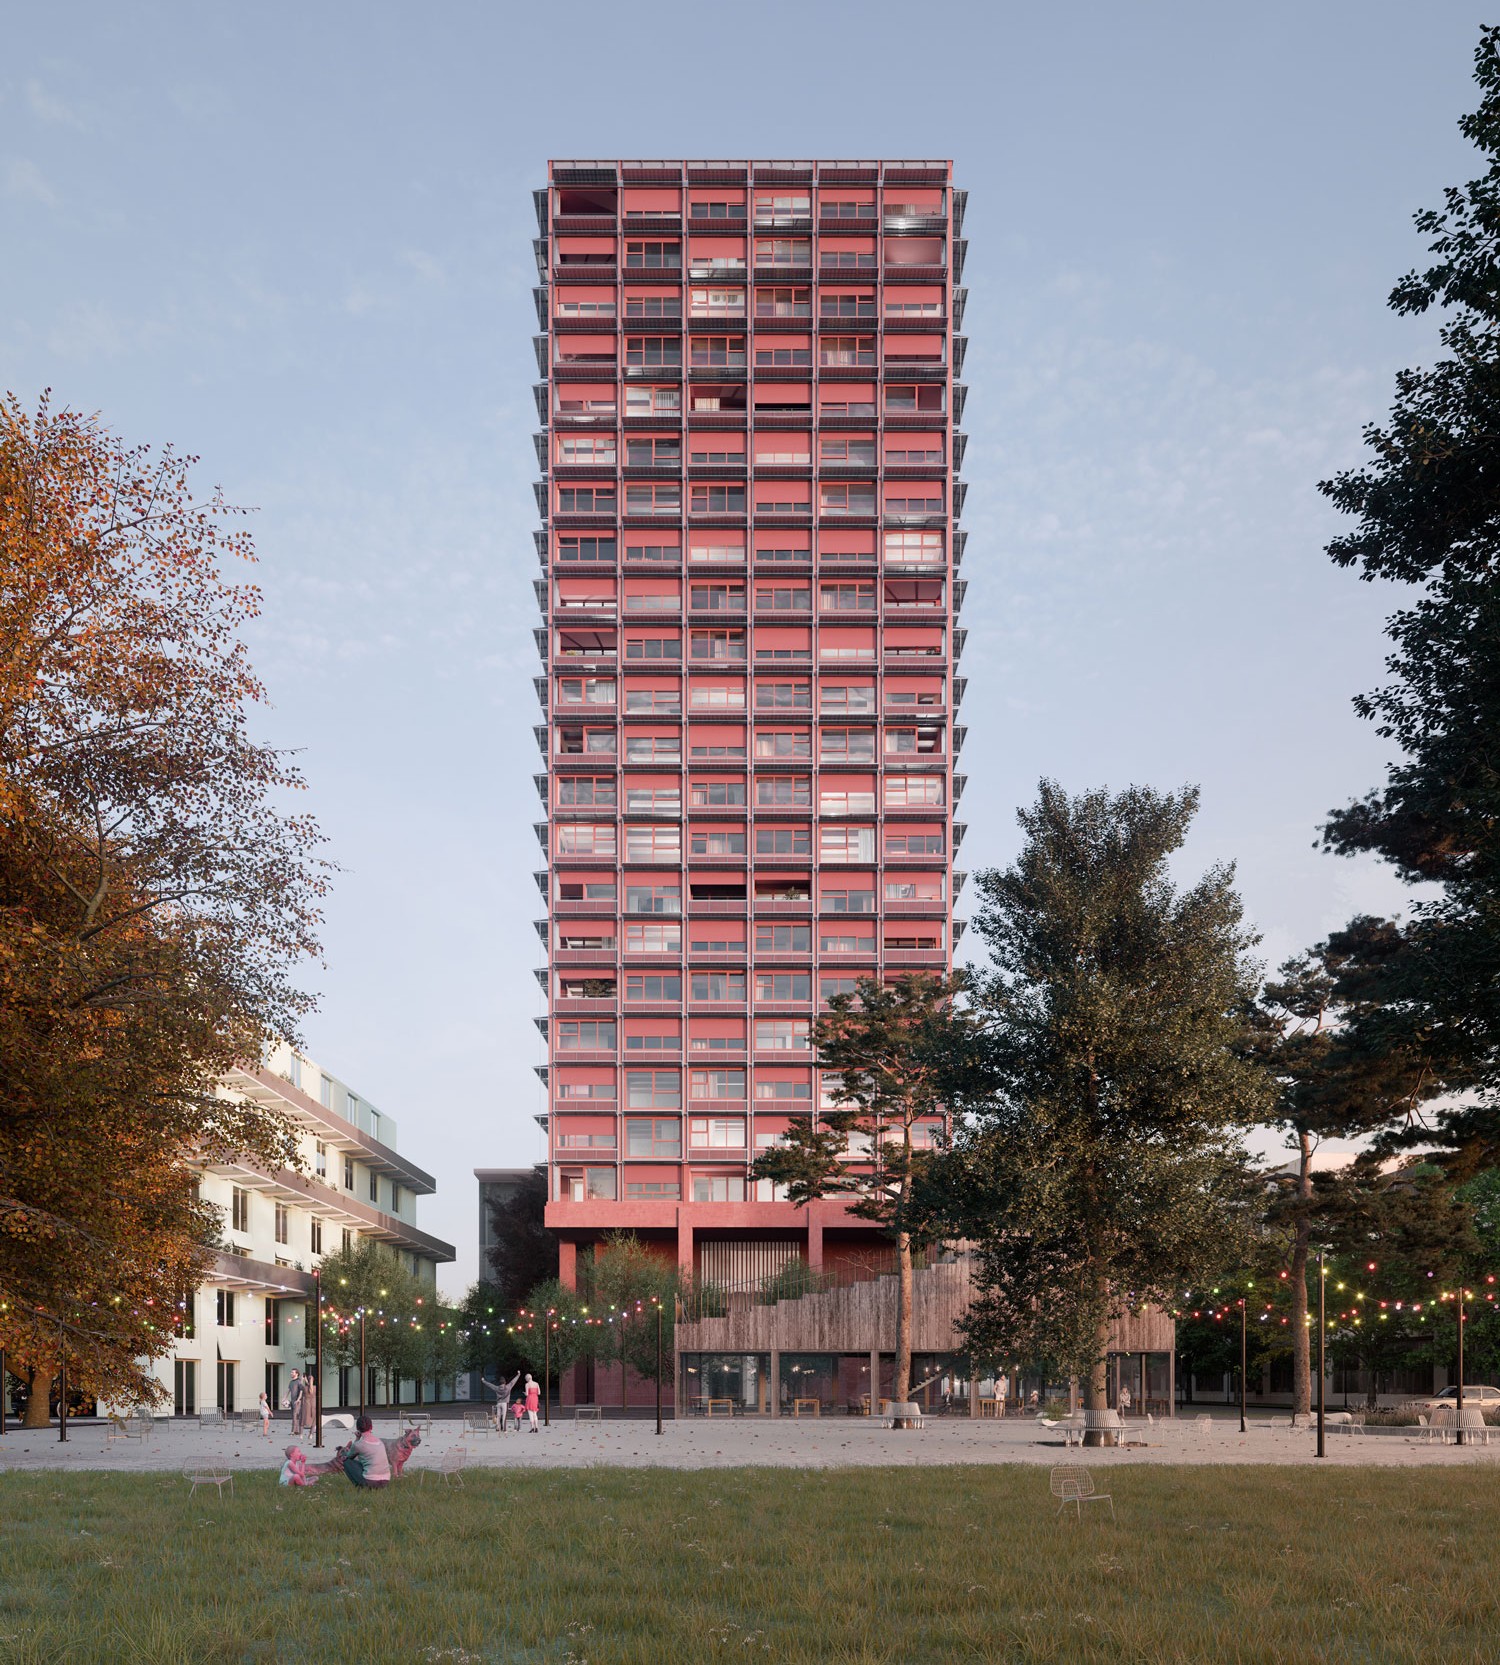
point(156, 897)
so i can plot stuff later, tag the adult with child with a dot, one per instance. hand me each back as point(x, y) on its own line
point(501, 1391)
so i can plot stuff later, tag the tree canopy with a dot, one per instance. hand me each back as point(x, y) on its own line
point(155, 895)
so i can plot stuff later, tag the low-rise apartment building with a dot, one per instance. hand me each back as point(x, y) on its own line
point(247, 1327)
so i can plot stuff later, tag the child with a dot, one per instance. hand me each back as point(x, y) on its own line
point(294, 1469)
point(517, 1410)
point(265, 1416)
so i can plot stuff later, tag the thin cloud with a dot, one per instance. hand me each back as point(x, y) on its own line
point(47, 106)
point(25, 181)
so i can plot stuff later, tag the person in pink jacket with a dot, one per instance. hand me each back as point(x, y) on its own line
point(533, 1401)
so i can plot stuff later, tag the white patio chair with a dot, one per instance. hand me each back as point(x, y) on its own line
point(1074, 1484)
point(450, 1469)
point(208, 1471)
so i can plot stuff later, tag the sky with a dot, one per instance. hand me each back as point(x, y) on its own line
point(297, 241)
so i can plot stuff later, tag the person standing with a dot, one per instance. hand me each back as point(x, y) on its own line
point(309, 1405)
point(265, 1415)
point(533, 1401)
point(294, 1401)
point(501, 1391)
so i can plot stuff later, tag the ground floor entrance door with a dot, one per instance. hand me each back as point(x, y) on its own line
point(228, 1370)
point(185, 1387)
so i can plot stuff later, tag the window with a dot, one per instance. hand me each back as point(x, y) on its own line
point(847, 598)
point(719, 500)
point(653, 939)
point(586, 500)
point(395, 1198)
point(577, 548)
point(653, 401)
point(856, 303)
point(783, 939)
point(915, 548)
point(913, 791)
point(655, 1136)
point(653, 351)
point(783, 251)
point(783, 841)
point(715, 351)
point(239, 1209)
point(786, 302)
point(846, 351)
point(843, 942)
point(653, 800)
point(586, 448)
point(599, 1184)
point(836, 698)
point(653, 748)
point(718, 696)
point(653, 256)
point(717, 598)
point(717, 644)
point(652, 306)
point(783, 358)
point(348, 1173)
point(783, 696)
point(788, 742)
point(586, 1089)
point(665, 700)
point(716, 1132)
point(653, 552)
point(585, 1035)
point(586, 838)
point(585, 690)
point(652, 1190)
point(653, 1089)
point(317, 1235)
point(718, 843)
point(846, 843)
point(919, 400)
point(580, 742)
point(654, 1042)
point(928, 888)
point(925, 740)
point(644, 986)
point(718, 1188)
point(828, 986)
point(782, 210)
point(320, 1157)
point(574, 890)
point(653, 899)
point(783, 985)
point(347, 1241)
point(374, 1186)
point(716, 210)
point(653, 842)
point(716, 303)
point(849, 745)
point(848, 901)
point(717, 1084)
point(574, 791)
point(783, 598)
point(913, 844)
point(653, 451)
point(283, 1223)
point(649, 497)
point(782, 1090)
point(224, 1308)
point(788, 791)
point(718, 985)
point(782, 1035)
point(718, 794)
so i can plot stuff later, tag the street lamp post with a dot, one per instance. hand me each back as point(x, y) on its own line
point(1460, 1364)
point(62, 1397)
point(547, 1368)
point(658, 1363)
point(318, 1358)
point(4, 1396)
point(1322, 1278)
point(361, 1362)
point(1243, 1304)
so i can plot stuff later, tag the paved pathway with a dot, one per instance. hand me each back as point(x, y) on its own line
point(822, 1442)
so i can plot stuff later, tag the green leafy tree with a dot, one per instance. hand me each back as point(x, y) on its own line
point(553, 1330)
point(627, 1285)
point(486, 1317)
point(368, 1279)
point(1336, 1076)
point(1427, 503)
point(1099, 1165)
point(892, 1049)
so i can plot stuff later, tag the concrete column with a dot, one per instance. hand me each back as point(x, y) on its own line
point(814, 1242)
point(974, 1398)
point(775, 1385)
point(874, 1384)
point(684, 1244)
point(1172, 1382)
point(567, 1264)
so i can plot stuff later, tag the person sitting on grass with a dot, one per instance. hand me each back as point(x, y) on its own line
point(366, 1462)
point(294, 1471)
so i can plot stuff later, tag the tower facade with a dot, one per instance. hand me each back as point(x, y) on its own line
point(750, 590)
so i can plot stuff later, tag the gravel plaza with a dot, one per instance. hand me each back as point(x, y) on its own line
point(801, 1443)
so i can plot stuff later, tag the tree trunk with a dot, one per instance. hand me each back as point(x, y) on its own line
point(901, 1387)
point(1301, 1341)
point(38, 1411)
point(1096, 1389)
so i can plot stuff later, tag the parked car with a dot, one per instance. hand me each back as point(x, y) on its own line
point(1484, 1398)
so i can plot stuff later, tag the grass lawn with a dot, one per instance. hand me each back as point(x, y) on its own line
point(615, 1565)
